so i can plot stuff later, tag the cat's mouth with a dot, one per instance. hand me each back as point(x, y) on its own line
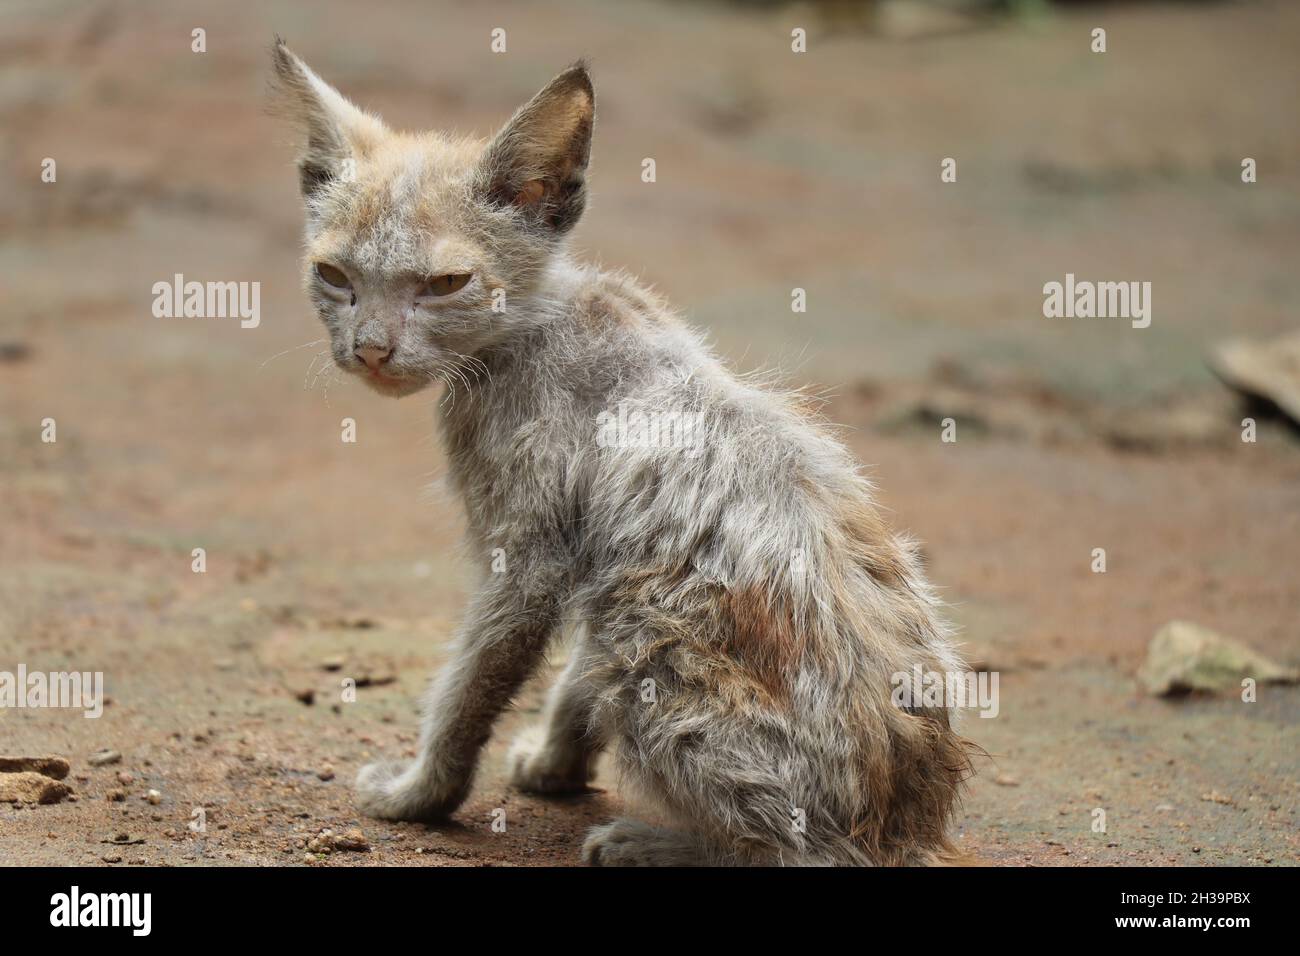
point(387, 383)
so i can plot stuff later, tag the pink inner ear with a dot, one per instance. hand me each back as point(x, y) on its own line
point(531, 193)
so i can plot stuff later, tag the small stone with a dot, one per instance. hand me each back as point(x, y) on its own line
point(154, 797)
point(115, 796)
point(334, 663)
point(353, 840)
point(1164, 808)
point(322, 842)
point(1005, 780)
point(306, 696)
point(103, 758)
point(55, 767)
point(326, 772)
point(124, 778)
point(112, 858)
point(29, 787)
point(1185, 658)
point(1215, 797)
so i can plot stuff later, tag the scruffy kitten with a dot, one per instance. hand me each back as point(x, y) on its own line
point(744, 604)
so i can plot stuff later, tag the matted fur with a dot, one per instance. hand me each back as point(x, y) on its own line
point(744, 603)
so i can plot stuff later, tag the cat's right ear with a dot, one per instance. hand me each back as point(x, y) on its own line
point(336, 133)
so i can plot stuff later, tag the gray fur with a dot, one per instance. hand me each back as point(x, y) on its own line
point(749, 576)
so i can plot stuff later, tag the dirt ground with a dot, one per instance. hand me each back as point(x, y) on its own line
point(774, 170)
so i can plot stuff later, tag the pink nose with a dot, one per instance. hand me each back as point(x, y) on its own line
point(373, 357)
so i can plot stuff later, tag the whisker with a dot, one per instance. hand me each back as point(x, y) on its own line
point(305, 345)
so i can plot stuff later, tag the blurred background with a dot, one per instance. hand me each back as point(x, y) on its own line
point(775, 170)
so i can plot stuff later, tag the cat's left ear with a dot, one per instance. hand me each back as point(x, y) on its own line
point(538, 162)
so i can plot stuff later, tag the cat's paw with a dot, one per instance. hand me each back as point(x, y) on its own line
point(633, 843)
point(403, 790)
point(536, 769)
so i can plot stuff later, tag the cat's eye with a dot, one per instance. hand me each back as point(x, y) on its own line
point(332, 275)
point(445, 285)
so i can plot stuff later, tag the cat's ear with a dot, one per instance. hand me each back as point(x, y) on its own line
point(336, 133)
point(538, 162)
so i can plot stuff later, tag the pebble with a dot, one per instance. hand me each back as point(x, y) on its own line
point(326, 772)
point(154, 797)
point(353, 840)
point(112, 858)
point(1005, 780)
point(115, 796)
point(104, 758)
point(124, 778)
point(321, 843)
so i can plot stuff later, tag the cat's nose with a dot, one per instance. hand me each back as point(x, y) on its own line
point(373, 357)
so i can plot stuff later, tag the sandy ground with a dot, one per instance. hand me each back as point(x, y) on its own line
point(774, 171)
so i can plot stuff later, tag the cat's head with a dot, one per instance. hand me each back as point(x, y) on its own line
point(416, 244)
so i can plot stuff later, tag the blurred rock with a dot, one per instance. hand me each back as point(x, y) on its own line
point(352, 840)
point(55, 767)
point(1263, 370)
point(31, 788)
point(1185, 657)
point(1181, 425)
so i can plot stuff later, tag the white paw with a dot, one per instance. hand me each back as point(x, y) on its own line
point(401, 790)
point(537, 770)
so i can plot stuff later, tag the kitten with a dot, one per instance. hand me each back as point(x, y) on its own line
point(744, 603)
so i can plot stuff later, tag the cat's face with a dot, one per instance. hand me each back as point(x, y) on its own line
point(417, 245)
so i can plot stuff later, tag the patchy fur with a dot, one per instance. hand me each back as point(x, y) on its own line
point(744, 605)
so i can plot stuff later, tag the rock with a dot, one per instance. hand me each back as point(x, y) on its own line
point(104, 758)
point(1161, 429)
point(376, 679)
point(56, 767)
point(30, 787)
point(1268, 370)
point(1005, 780)
point(14, 352)
point(124, 839)
point(321, 843)
point(353, 840)
point(124, 778)
point(334, 663)
point(112, 858)
point(326, 772)
point(1185, 657)
point(1215, 797)
point(154, 797)
point(115, 796)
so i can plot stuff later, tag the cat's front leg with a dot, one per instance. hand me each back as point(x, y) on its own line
point(500, 644)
